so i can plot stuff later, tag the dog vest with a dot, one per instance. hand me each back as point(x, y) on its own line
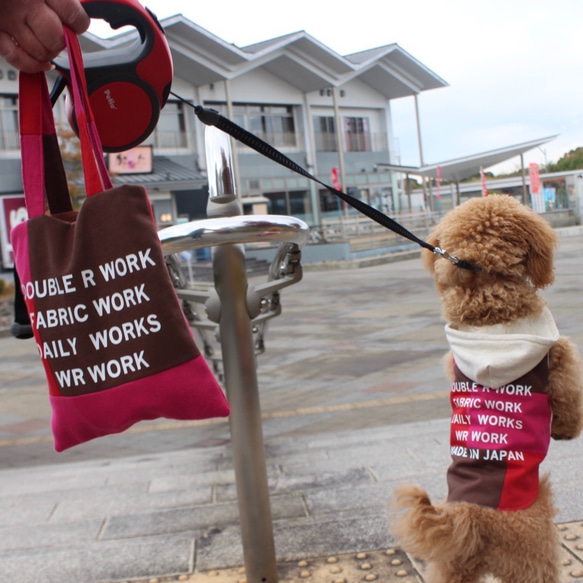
point(499, 437)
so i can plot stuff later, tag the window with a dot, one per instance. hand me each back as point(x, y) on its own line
point(295, 203)
point(272, 123)
point(356, 134)
point(329, 203)
point(171, 129)
point(325, 134)
point(9, 139)
point(277, 203)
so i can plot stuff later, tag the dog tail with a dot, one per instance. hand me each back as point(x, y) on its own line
point(433, 532)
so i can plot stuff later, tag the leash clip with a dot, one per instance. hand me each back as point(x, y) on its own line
point(443, 253)
point(461, 263)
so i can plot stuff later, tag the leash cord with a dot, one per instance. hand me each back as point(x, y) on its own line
point(212, 117)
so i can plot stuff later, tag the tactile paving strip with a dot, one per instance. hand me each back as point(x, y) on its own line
point(385, 566)
point(571, 535)
point(391, 565)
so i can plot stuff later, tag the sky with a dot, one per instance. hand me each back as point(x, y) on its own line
point(514, 67)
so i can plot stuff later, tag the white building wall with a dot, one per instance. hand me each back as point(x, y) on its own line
point(257, 86)
point(356, 94)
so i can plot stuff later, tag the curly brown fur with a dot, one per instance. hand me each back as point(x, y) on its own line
point(463, 542)
point(513, 248)
point(566, 375)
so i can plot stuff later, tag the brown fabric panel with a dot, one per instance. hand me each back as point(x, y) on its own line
point(111, 228)
point(476, 481)
point(57, 190)
point(538, 377)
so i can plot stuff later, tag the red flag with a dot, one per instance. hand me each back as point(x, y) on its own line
point(335, 180)
point(534, 178)
point(484, 183)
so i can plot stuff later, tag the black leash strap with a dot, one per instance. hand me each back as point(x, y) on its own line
point(212, 117)
point(21, 327)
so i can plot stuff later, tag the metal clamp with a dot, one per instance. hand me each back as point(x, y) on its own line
point(461, 263)
point(443, 253)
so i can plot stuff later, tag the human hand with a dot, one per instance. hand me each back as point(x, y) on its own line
point(31, 31)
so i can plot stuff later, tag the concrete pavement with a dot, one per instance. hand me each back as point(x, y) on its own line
point(354, 402)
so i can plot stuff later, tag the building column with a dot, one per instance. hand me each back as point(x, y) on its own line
point(311, 159)
point(392, 157)
point(420, 145)
point(340, 140)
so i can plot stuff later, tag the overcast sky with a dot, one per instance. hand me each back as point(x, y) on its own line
point(514, 67)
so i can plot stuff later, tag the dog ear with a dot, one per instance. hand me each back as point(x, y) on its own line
point(543, 241)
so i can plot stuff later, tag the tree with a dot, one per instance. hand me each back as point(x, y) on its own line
point(572, 160)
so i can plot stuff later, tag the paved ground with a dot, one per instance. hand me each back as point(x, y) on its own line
point(354, 402)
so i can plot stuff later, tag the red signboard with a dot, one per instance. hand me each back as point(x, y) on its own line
point(12, 212)
point(138, 160)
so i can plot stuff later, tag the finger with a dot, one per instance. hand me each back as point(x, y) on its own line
point(43, 38)
point(72, 13)
point(18, 57)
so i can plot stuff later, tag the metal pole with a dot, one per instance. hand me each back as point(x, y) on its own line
point(420, 145)
point(240, 373)
point(522, 174)
point(340, 140)
point(312, 159)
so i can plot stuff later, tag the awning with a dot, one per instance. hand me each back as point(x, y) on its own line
point(461, 168)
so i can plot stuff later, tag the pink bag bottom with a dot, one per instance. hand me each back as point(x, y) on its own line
point(169, 394)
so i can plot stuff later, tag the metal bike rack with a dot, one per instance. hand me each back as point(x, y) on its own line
point(238, 312)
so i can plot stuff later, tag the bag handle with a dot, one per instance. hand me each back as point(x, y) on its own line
point(41, 161)
point(33, 125)
point(96, 176)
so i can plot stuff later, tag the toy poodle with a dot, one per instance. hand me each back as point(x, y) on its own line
point(515, 384)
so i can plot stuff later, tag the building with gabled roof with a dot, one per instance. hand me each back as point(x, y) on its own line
point(294, 92)
point(324, 110)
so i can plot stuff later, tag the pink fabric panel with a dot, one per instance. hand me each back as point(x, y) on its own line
point(169, 394)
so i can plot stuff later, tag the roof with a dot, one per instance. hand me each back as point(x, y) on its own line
point(298, 58)
point(166, 176)
point(461, 168)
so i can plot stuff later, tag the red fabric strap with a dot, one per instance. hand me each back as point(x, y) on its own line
point(31, 99)
point(36, 123)
point(96, 176)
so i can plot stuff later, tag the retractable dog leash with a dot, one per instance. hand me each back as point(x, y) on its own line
point(128, 87)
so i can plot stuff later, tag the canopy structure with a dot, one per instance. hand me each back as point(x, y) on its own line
point(461, 168)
